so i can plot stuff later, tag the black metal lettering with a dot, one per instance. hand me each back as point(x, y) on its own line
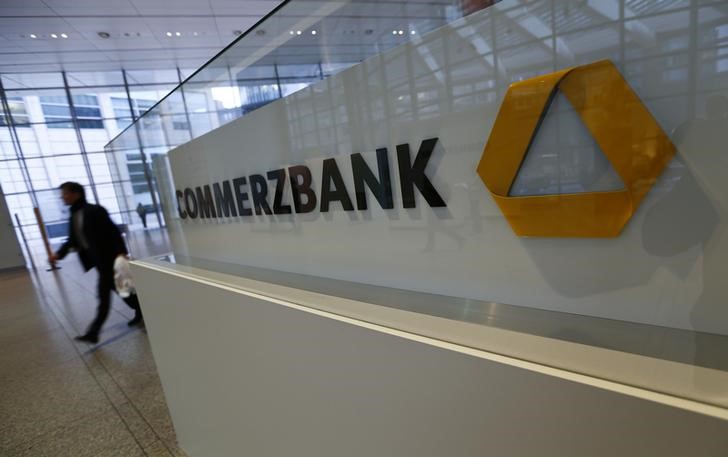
point(224, 199)
point(180, 211)
point(302, 187)
point(414, 175)
point(331, 174)
point(259, 189)
point(205, 202)
point(190, 197)
point(382, 189)
point(241, 196)
point(280, 178)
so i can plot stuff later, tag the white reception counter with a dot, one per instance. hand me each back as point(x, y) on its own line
point(256, 367)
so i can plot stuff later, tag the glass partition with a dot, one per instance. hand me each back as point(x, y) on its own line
point(299, 43)
point(655, 290)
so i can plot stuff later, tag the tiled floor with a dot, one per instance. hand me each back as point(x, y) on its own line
point(59, 397)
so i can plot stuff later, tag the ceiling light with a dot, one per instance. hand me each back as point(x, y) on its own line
point(195, 33)
point(313, 32)
point(168, 33)
point(401, 32)
point(298, 32)
point(177, 33)
point(103, 35)
point(33, 35)
point(53, 35)
point(292, 32)
point(63, 35)
point(394, 32)
point(412, 32)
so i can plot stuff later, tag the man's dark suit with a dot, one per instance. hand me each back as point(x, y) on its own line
point(98, 244)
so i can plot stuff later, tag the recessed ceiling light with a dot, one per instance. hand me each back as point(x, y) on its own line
point(313, 32)
point(178, 33)
point(298, 32)
point(33, 35)
point(168, 33)
point(412, 32)
point(103, 35)
point(195, 33)
point(53, 35)
point(63, 35)
point(401, 32)
point(394, 32)
point(292, 32)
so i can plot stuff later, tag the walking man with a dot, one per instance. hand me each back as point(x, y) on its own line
point(142, 212)
point(98, 242)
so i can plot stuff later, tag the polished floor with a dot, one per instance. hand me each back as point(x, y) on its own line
point(59, 397)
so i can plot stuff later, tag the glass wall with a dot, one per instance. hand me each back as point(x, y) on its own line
point(54, 126)
point(299, 43)
point(49, 135)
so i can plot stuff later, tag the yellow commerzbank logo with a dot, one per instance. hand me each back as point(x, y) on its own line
point(626, 132)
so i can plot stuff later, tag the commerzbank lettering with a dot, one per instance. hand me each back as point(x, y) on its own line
point(263, 194)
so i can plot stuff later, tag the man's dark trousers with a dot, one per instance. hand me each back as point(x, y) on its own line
point(105, 286)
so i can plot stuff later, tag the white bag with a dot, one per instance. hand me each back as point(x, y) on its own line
point(122, 277)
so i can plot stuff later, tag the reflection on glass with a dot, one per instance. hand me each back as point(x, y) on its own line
point(564, 158)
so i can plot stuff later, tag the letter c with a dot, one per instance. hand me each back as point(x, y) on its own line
point(182, 214)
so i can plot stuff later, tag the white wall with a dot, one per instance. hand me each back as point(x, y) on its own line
point(11, 255)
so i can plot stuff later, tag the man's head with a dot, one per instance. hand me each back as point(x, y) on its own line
point(71, 192)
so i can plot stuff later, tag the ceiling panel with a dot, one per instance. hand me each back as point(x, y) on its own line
point(184, 25)
point(93, 10)
point(22, 11)
point(251, 8)
point(86, 3)
point(230, 23)
point(127, 44)
point(137, 32)
point(56, 46)
point(199, 9)
point(165, 8)
point(76, 57)
point(23, 3)
point(7, 49)
point(90, 7)
point(110, 24)
point(23, 25)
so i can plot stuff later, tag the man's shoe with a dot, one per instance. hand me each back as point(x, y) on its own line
point(138, 320)
point(88, 338)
